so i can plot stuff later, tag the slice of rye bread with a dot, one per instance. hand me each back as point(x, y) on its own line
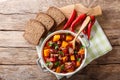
point(34, 31)
point(46, 20)
point(57, 15)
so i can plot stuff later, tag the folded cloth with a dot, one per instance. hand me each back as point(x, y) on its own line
point(99, 45)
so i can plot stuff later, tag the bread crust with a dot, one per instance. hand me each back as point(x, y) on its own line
point(57, 15)
point(34, 30)
point(46, 20)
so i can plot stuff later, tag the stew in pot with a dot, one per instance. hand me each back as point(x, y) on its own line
point(59, 55)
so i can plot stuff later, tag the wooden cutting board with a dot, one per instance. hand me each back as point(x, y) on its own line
point(81, 9)
point(67, 10)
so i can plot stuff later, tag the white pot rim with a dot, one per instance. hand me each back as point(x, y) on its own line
point(41, 50)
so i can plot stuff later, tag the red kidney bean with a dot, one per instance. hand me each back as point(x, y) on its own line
point(53, 51)
point(62, 37)
point(59, 43)
point(69, 66)
point(73, 63)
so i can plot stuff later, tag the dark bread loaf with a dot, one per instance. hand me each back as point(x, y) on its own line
point(34, 30)
point(57, 15)
point(46, 20)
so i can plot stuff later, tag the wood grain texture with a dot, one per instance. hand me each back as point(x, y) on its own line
point(32, 72)
point(22, 9)
point(18, 57)
point(24, 56)
point(16, 39)
point(13, 39)
point(24, 72)
point(113, 57)
point(98, 72)
point(15, 21)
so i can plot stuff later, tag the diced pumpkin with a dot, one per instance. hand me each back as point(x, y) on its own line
point(77, 63)
point(72, 57)
point(58, 69)
point(64, 44)
point(69, 38)
point(46, 52)
point(70, 70)
point(64, 58)
point(81, 51)
point(56, 37)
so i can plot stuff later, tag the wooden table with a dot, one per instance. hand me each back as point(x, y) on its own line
point(18, 58)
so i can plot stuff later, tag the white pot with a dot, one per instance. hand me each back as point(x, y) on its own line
point(43, 44)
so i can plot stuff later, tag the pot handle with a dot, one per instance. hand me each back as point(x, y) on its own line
point(86, 41)
point(40, 66)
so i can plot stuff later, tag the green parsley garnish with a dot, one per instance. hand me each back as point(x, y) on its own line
point(48, 63)
point(50, 43)
point(62, 67)
point(78, 59)
point(57, 63)
point(60, 52)
point(75, 52)
point(56, 46)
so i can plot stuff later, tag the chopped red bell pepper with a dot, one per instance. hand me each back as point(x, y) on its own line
point(71, 19)
point(90, 26)
point(65, 51)
point(52, 59)
point(79, 19)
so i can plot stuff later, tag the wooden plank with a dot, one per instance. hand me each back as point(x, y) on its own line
point(13, 39)
point(24, 72)
point(16, 39)
point(17, 22)
point(14, 17)
point(24, 6)
point(110, 58)
point(18, 56)
point(13, 10)
point(14, 22)
point(19, 6)
point(29, 56)
point(32, 72)
point(98, 72)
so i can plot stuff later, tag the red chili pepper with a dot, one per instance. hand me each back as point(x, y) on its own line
point(79, 19)
point(90, 26)
point(71, 19)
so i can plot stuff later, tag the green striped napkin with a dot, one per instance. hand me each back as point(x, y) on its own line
point(99, 45)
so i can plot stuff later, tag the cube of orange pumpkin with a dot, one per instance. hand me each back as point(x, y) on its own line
point(64, 44)
point(81, 51)
point(56, 37)
point(69, 38)
point(77, 63)
point(72, 57)
point(46, 52)
point(58, 69)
